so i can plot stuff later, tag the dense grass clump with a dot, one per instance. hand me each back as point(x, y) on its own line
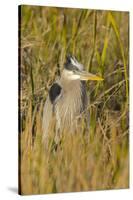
point(82, 162)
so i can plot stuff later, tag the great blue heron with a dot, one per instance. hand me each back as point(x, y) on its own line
point(67, 97)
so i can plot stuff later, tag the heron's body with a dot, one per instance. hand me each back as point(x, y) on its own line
point(67, 99)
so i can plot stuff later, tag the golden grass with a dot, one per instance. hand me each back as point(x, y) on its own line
point(82, 162)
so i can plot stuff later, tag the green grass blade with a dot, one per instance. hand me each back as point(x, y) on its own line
point(116, 30)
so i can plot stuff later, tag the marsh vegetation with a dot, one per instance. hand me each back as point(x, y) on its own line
point(99, 39)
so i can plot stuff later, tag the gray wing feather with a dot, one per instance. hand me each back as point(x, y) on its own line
point(48, 111)
point(47, 116)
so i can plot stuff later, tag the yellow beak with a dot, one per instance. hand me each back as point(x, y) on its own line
point(88, 76)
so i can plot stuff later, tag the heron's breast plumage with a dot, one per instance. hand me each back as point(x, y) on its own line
point(69, 105)
point(65, 102)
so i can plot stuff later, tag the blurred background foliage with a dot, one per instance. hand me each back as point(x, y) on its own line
point(99, 40)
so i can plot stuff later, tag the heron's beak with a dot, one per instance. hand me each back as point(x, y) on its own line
point(88, 76)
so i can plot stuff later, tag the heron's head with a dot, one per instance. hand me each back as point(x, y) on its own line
point(73, 70)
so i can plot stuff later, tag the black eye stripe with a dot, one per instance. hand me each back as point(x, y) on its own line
point(54, 92)
point(71, 67)
point(72, 64)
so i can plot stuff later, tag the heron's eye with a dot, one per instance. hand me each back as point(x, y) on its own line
point(75, 70)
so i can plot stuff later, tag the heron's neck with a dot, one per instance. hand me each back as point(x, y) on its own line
point(69, 84)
